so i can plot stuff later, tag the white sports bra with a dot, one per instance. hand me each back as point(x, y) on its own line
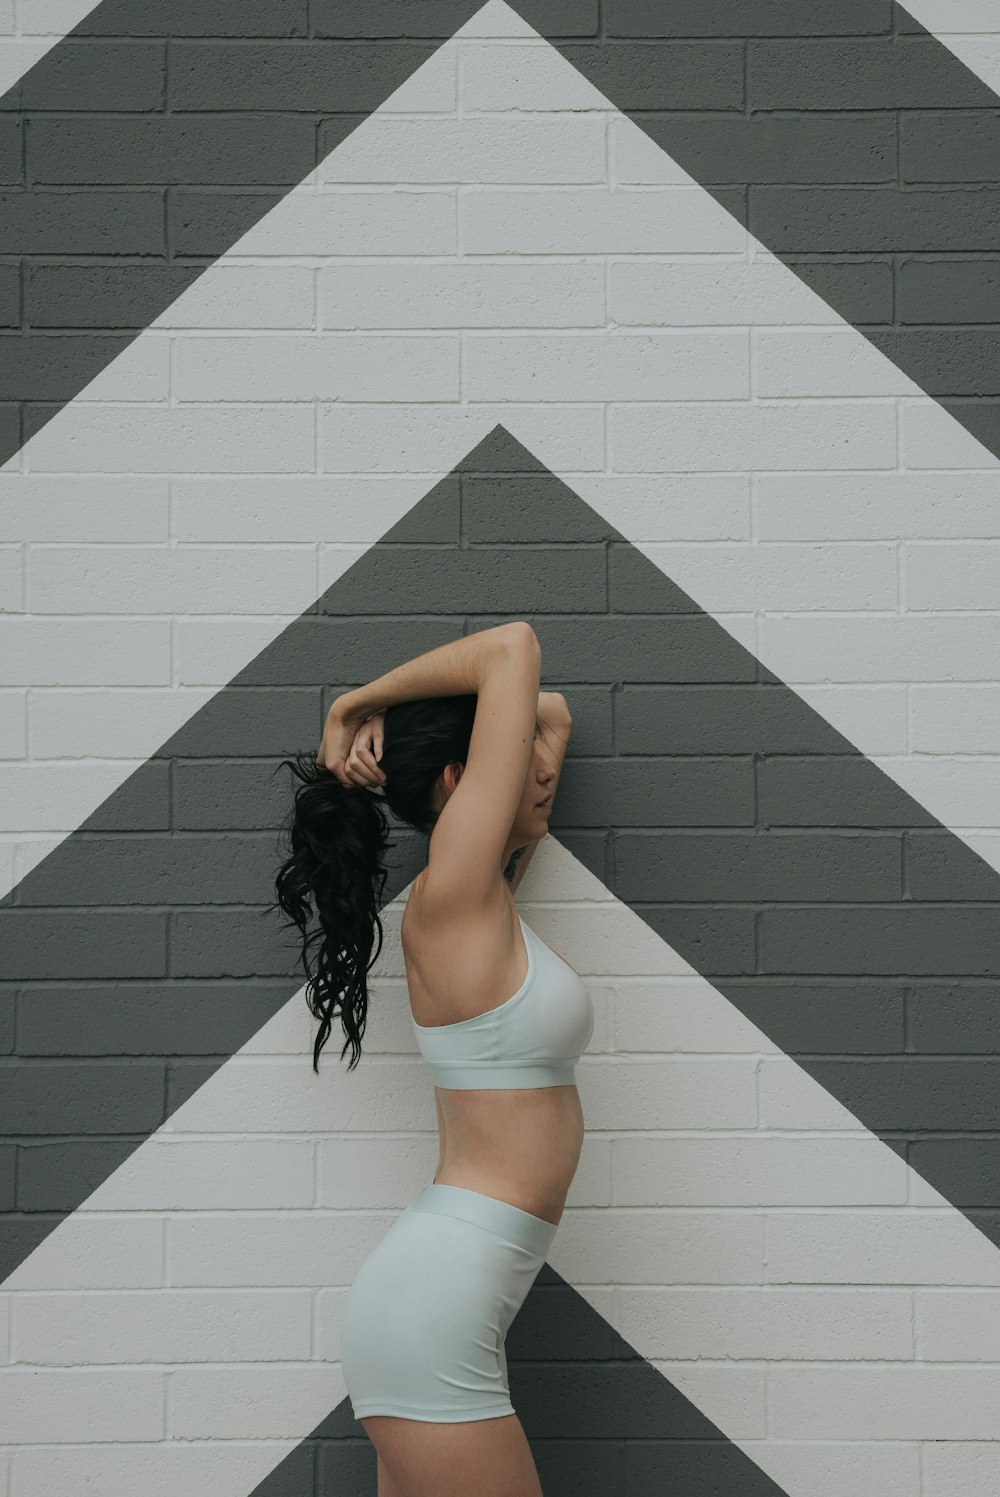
point(533, 1039)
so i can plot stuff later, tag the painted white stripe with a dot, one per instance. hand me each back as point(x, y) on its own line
point(292, 438)
point(739, 1227)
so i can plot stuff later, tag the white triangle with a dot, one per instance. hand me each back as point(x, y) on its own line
point(729, 1217)
point(275, 455)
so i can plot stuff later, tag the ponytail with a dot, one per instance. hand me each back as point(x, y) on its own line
point(337, 838)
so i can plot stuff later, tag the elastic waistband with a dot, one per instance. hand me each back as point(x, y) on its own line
point(495, 1076)
point(498, 1217)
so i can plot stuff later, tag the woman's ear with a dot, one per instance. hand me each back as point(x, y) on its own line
point(451, 779)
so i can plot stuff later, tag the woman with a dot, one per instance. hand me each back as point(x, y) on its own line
point(467, 750)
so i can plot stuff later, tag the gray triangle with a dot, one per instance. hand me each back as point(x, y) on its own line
point(823, 901)
point(700, 789)
point(599, 1418)
point(165, 167)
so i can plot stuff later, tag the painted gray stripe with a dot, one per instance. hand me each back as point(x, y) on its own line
point(792, 117)
point(775, 858)
point(136, 175)
point(851, 143)
point(711, 799)
point(719, 983)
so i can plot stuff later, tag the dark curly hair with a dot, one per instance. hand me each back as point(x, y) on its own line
point(336, 839)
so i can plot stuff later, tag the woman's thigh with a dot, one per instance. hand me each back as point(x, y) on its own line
point(490, 1457)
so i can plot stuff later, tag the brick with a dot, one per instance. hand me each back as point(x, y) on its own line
point(79, 1404)
point(47, 507)
point(92, 943)
point(339, 221)
point(187, 18)
point(633, 366)
point(104, 1097)
point(128, 222)
point(409, 438)
point(547, 579)
point(165, 439)
point(141, 580)
point(316, 366)
point(169, 149)
point(568, 221)
point(163, 1325)
point(729, 18)
point(124, 76)
point(13, 724)
point(460, 294)
point(730, 434)
point(307, 74)
point(871, 73)
point(470, 150)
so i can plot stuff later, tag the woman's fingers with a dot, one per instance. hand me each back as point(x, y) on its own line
point(348, 751)
point(363, 760)
point(376, 728)
point(362, 767)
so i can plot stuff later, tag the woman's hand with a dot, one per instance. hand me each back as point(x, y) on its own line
point(351, 748)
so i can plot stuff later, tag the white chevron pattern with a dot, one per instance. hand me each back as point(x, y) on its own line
point(718, 412)
point(827, 1309)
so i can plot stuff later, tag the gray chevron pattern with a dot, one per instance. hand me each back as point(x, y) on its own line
point(828, 906)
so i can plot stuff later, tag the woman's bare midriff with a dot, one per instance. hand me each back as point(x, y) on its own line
point(520, 1145)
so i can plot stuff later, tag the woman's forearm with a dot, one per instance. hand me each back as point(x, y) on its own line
point(553, 708)
point(452, 669)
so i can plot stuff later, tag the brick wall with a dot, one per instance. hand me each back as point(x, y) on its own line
point(337, 331)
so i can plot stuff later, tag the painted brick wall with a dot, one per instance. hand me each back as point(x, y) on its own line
point(334, 332)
